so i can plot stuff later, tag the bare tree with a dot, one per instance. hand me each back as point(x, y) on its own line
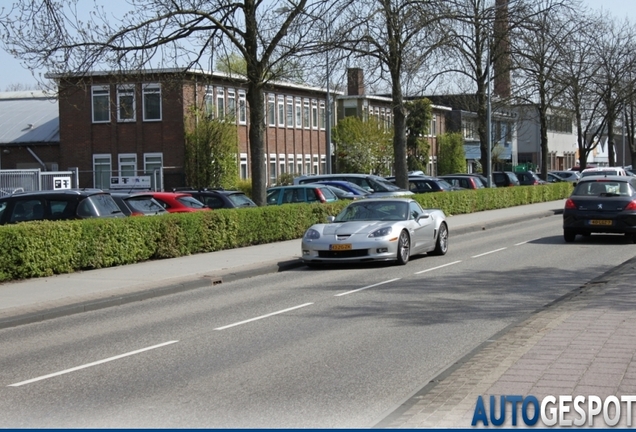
point(397, 38)
point(52, 35)
point(538, 58)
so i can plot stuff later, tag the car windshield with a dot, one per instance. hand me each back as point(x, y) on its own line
point(602, 188)
point(188, 201)
point(374, 211)
point(380, 185)
point(104, 204)
point(145, 205)
point(241, 200)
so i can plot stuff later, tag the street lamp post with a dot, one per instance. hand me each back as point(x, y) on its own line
point(328, 107)
point(488, 120)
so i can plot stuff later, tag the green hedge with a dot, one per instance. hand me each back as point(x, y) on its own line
point(36, 249)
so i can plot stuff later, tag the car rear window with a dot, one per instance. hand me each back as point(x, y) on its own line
point(188, 201)
point(597, 188)
point(241, 200)
point(98, 205)
point(144, 205)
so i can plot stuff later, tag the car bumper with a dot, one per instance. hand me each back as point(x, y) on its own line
point(367, 251)
point(620, 223)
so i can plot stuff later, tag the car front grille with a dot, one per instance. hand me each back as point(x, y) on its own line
point(356, 253)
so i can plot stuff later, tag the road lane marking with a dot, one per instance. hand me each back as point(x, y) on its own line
point(263, 316)
point(438, 267)
point(522, 243)
point(486, 253)
point(367, 287)
point(43, 377)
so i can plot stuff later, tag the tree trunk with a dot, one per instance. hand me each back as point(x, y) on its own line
point(399, 134)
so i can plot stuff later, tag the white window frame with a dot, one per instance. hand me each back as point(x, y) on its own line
point(148, 162)
point(99, 160)
point(271, 110)
point(314, 114)
point(299, 114)
point(148, 90)
point(289, 112)
point(323, 116)
point(121, 164)
point(243, 171)
point(242, 107)
point(323, 164)
point(220, 103)
point(280, 103)
point(307, 164)
point(208, 102)
point(290, 164)
point(98, 94)
point(315, 164)
point(282, 164)
point(272, 169)
point(306, 114)
point(299, 164)
point(122, 92)
point(231, 103)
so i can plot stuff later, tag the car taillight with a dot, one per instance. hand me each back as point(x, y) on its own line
point(321, 197)
point(631, 206)
point(136, 214)
point(569, 204)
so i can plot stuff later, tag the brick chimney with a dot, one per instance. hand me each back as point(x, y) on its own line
point(355, 82)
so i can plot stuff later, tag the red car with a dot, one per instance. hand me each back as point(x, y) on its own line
point(175, 202)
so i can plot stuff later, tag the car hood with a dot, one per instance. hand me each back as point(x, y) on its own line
point(356, 227)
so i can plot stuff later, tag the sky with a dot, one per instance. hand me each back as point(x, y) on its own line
point(12, 72)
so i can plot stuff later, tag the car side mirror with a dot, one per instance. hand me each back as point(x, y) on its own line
point(423, 216)
point(330, 219)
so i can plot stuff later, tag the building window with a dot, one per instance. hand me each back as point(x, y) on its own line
point(290, 160)
point(242, 108)
point(298, 113)
point(323, 164)
point(281, 111)
point(126, 103)
point(307, 164)
point(314, 114)
point(152, 102)
point(271, 110)
point(127, 164)
point(281, 164)
point(272, 169)
point(208, 102)
point(306, 114)
point(434, 125)
point(101, 104)
point(243, 169)
point(220, 103)
point(299, 164)
point(290, 112)
point(315, 165)
point(231, 104)
point(323, 117)
point(102, 170)
point(152, 161)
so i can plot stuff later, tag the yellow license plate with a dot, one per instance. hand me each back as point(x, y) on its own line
point(340, 247)
point(600, 222)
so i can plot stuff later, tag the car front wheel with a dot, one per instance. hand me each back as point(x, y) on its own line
point(569, 235)
point(404, 248)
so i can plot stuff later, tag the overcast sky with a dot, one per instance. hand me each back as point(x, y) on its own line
point(12, 72)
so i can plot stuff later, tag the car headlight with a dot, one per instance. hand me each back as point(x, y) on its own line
point(382, 232)
point(312, 234)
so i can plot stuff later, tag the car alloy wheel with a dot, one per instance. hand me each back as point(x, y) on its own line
point(404, 248)
point(441, 247)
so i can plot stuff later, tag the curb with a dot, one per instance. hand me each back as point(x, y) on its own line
point(206, 281)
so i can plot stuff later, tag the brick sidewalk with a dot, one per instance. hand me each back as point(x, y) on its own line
point(582, 344)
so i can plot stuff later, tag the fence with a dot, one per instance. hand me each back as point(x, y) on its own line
point(25, 180)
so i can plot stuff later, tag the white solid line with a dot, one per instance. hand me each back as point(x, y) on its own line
point(438, 267)
point(366, 287)
point(263, 316)
point(486, 253)
point(43, 377)
point(522, 243)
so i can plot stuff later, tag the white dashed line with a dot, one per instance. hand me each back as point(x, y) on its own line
point(438, 267)
point(366, 287)
point(43, 377)
point(263, 316)
point(486, 253)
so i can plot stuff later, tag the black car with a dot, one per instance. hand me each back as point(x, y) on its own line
point(420, 184)
point(57, 205)
point(529, 178)
point(464, 181)
point(601, 205)
point(138, 205)
point(219, 198)
point(505, 178)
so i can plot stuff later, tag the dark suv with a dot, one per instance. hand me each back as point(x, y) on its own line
point(528, 178)
point(219, 198)
point(57, 205)
point(505, 178)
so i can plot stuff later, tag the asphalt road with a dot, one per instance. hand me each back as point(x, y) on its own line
point(339, 347)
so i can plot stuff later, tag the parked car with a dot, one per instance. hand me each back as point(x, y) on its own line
point(306, 193)
point(371, 183)
point(137, 205)
point(601, 204)
point(175, 202)
point(554, 178)
point(341, 194)
point(608, 171)
point(219, 198)
point(505, 178)
point(384, 229)
point(479, 177)
point(529, 178)
point(570, 176)
point(430, 184)
point(349, 187)
point(64, 204)
point(463, 181)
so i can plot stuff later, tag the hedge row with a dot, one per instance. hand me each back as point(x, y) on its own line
point(36, 249)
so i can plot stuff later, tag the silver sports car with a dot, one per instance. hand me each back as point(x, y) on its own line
point(377, 230)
